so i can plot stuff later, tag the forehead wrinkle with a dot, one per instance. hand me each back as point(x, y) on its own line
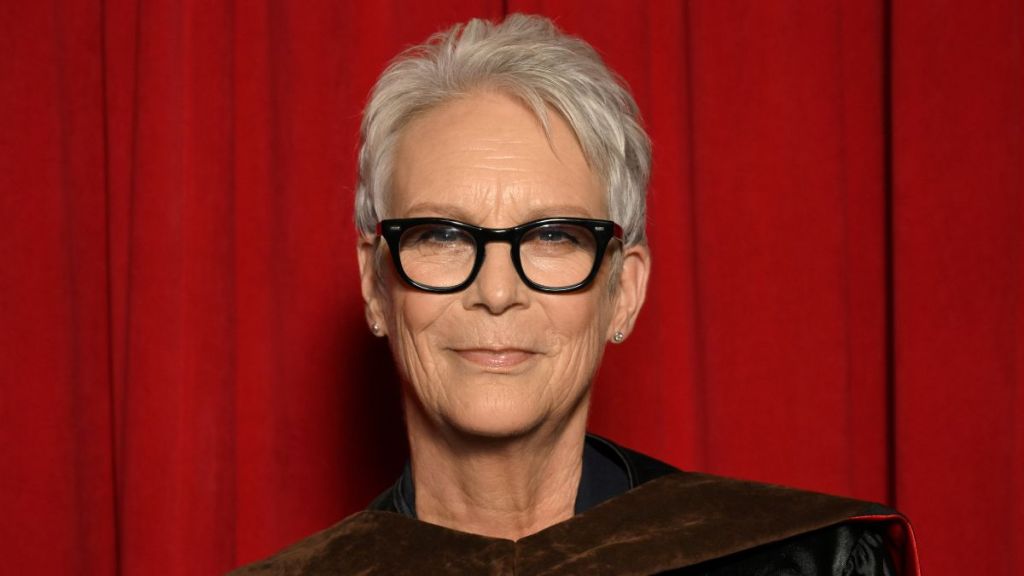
point(437, 210)
point(482, 165)
point(497, 148)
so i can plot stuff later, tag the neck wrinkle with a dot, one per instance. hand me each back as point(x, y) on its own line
point(499, 487)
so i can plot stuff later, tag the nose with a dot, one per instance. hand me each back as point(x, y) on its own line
point(497, 286)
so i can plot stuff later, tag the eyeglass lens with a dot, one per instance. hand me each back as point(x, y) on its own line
point(555, 255)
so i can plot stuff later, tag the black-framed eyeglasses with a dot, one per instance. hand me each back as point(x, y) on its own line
point(550, 255)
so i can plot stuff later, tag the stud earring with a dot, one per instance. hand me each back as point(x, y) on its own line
point(618, 337)
point(375, 329)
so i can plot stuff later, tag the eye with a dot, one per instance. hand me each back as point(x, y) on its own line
point(438, 235)
point(436, 238)
point(558, 235)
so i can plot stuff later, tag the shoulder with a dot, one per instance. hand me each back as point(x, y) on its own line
point(846, 549)
point(306, 553)
point(718, 526)
point(374, 542)
point(713, 525)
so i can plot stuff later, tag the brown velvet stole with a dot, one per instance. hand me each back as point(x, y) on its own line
point(671, 522)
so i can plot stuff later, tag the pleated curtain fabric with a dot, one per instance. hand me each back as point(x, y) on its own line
point(187, 382)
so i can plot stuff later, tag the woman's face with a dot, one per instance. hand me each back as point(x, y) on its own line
point(497, 359)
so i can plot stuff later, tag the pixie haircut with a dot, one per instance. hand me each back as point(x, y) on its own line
point(528, 58)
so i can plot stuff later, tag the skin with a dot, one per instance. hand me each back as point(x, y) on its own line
point(496, 378)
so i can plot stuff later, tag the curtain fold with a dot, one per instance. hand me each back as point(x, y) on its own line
point(186, 379)
point(957, 215)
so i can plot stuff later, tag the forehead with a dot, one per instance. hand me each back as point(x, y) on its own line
point(485, 159)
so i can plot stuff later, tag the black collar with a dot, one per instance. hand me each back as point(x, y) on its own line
point(608, 471)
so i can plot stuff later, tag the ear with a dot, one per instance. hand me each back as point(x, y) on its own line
point(373, 293)
point(631, 290)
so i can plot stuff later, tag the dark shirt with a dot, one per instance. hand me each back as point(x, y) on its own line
point(607, 472)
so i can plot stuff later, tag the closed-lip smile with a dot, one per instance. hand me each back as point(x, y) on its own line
point(495, 357)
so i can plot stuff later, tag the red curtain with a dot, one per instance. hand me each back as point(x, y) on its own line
point(186, 379)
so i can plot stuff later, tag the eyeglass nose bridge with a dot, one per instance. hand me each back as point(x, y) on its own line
point(484, 236)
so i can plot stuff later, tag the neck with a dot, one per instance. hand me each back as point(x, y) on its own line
point(507, 487)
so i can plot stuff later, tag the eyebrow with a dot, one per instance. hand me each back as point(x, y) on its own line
point(434, 209)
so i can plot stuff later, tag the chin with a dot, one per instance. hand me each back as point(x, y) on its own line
point(496, 418)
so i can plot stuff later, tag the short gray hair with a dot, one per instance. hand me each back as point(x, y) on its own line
point(529, 58)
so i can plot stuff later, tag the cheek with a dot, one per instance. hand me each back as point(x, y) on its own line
point(412, 314)
point(578, 323)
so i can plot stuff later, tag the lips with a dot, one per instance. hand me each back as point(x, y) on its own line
point(495, 358)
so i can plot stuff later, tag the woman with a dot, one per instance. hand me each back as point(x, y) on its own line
point(501, 207)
